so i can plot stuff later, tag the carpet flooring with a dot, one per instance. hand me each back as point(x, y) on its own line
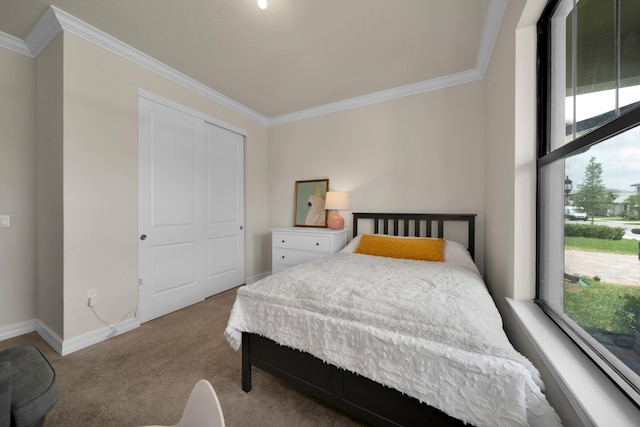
point(144, 376)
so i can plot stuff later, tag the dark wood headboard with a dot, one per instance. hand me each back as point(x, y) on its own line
point(411, 224)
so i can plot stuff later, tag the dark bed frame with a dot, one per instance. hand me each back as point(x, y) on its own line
point(361, 397)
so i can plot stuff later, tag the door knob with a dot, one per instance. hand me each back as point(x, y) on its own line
point(144, 236)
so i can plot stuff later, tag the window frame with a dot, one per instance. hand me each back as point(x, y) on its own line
point(627, 119)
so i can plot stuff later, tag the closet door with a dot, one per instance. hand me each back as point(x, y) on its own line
point(225, 210)
point(172, 247)
point(191, 209)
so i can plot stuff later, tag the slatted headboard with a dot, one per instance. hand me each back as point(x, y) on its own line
point(411, 224)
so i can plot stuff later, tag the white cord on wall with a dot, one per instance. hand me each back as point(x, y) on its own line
point(113, 331)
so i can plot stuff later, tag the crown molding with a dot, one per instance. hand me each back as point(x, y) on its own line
point(385, 95)
point(15, 44)
point(492, 25)
point(53, 21)
point(82, 29)
point(46, 28)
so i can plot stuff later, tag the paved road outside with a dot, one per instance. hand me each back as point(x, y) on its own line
point(613, 268)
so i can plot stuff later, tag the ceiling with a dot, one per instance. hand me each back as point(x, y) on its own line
point(297, 55)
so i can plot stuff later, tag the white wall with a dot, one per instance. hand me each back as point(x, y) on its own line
point(18, 279)
point(49, 189)
point(100, 180)
point(510, 161)
point(421, 153)
point(499, 156)
point(70, 122)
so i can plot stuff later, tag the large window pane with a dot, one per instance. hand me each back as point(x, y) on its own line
point(589, 180)
point(562, 90)
point(601, 265)
point(629, 53)
point(595, 69)
point(595, 49)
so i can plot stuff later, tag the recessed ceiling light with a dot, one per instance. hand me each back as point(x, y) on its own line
point(262, 4)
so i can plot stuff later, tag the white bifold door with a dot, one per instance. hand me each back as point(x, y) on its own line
point(191, 209)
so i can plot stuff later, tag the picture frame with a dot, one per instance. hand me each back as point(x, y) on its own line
point(308, 210)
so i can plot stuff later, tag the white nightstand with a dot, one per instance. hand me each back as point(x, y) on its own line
point(294, 245)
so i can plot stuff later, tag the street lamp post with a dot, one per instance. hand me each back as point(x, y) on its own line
point(568, 186)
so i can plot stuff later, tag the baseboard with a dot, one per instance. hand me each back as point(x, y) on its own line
point(64, 347)
point(17, 329)
point(90, 338)
point(49, 336)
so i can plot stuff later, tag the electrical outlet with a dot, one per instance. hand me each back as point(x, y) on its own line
point(92, 297)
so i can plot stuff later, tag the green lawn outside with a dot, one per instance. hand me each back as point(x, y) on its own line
point(604, 306)
point(622, 246)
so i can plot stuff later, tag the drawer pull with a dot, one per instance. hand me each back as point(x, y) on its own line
point(282, 256)
point(283, 241)
point(317, 244)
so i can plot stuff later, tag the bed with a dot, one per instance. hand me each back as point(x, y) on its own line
point(390, 340)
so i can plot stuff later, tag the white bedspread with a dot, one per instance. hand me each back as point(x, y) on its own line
point(430, 330)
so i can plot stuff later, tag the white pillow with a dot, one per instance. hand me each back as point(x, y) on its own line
point(351, 246)
point(454, 252)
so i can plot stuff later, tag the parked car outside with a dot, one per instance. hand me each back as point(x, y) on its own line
point(575, 213)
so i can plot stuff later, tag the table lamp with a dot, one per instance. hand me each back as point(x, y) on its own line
point(336, 200)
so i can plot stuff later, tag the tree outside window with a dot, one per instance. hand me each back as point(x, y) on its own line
point(593, 196)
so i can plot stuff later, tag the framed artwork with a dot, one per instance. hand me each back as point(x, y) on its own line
point(309, 208)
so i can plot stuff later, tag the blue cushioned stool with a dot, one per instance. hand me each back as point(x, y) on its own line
point(28, 388)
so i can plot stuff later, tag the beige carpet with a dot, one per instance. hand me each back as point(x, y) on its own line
point(145, 376)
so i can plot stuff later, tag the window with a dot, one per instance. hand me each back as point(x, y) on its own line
point(589, 180)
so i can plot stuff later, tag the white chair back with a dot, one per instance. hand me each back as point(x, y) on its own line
point(202, 408)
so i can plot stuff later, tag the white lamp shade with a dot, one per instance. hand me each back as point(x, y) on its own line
point(337, 200)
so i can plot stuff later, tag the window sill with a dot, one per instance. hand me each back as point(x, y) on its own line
point(596, 400)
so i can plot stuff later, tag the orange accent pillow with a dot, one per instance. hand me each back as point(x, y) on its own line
point(423, 249)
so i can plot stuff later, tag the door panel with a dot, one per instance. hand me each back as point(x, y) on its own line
point(173, 170)
point(223, 177)
point(222, 255)
point(172, 267)
point(172, 257)
point(225, 216)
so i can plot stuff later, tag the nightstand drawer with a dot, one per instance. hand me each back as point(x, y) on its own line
point(290, 258)
point(304, 243)
point(293, 245)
